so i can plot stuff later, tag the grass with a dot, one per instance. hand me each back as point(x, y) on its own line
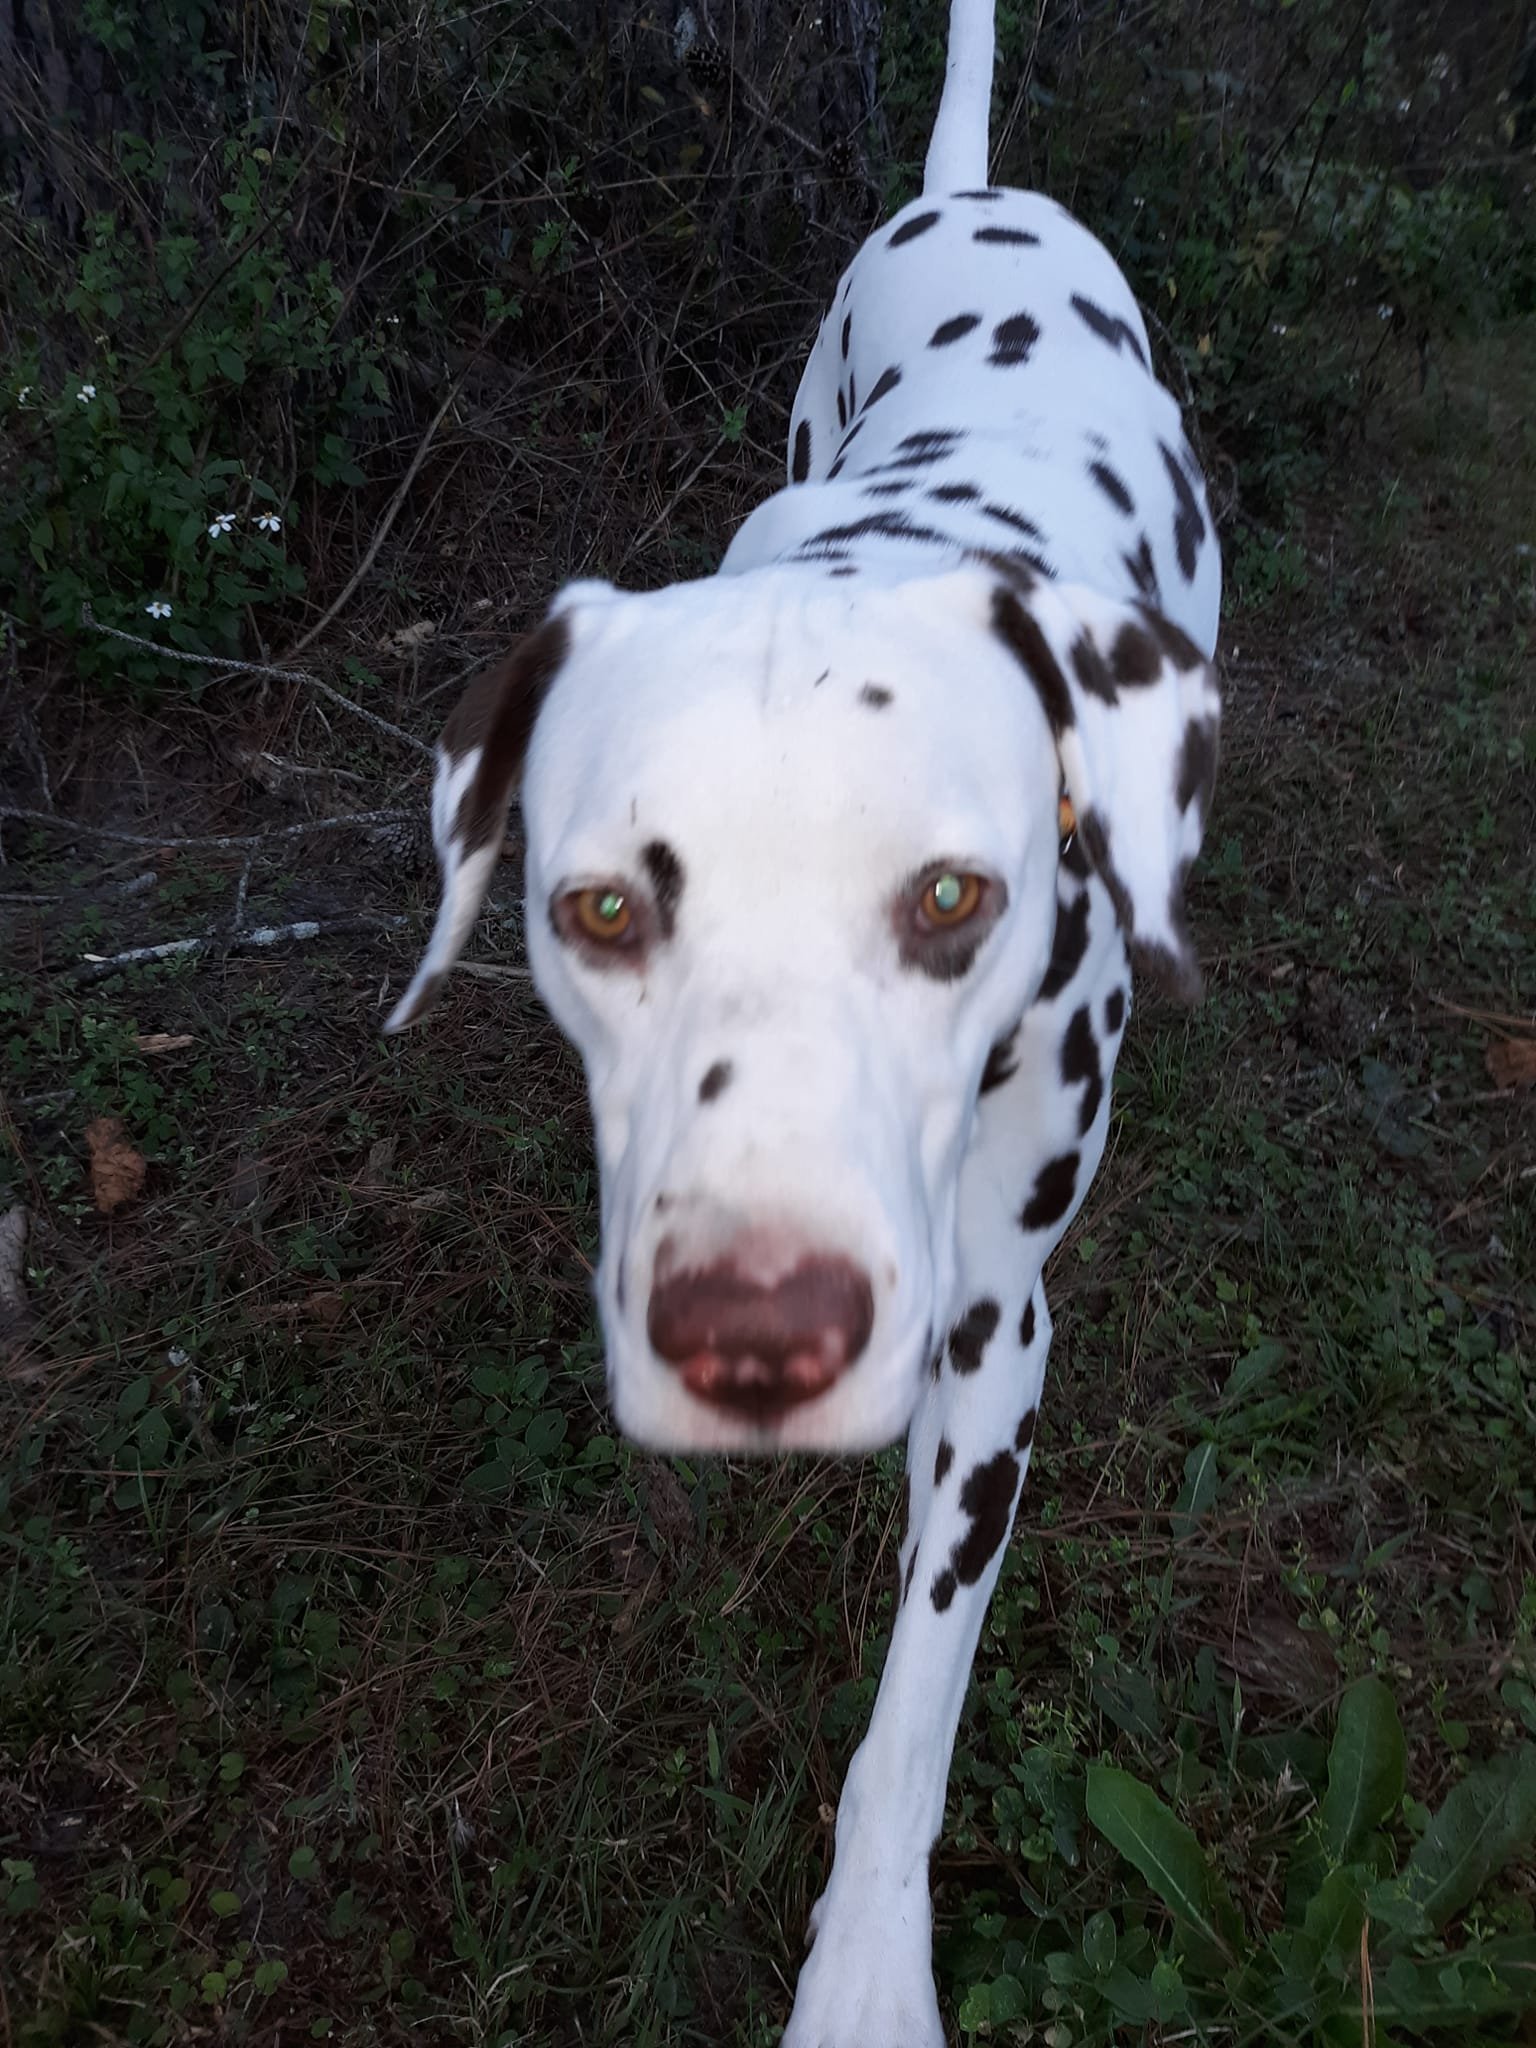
point(357, 1683)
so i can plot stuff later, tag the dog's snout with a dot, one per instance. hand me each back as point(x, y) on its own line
point(759, 1347)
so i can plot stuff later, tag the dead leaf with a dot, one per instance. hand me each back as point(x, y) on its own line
point(406, 639)
point(163, 1041)
point(117, 1170)
point(1512, 1062)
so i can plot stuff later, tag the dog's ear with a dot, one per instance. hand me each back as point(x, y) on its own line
point(479, 764)
point(1135, 710)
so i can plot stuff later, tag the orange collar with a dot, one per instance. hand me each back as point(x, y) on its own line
point(1066, 818)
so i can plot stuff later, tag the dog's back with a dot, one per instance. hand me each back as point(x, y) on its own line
point(982, 383)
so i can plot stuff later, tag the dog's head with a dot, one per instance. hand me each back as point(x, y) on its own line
point(791, 872)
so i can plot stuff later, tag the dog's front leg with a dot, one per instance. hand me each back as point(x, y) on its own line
point(868, 1982)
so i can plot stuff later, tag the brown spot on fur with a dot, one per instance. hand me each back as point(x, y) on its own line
point(1197, 765)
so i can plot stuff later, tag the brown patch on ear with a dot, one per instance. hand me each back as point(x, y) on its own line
point(1173, 640)
point(505, 700)
point(1020, 631)
point(470, 719)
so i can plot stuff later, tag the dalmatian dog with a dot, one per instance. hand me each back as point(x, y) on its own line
point(836, 864)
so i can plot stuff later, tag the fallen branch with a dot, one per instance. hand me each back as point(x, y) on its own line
point(98, 968)
point(380, 534)
point(207, 841)
point(270, 670)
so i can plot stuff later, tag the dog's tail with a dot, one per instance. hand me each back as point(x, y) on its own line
point(957, 149)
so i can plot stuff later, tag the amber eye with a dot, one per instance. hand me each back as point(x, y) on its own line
point(950, 899)
point(603, 914)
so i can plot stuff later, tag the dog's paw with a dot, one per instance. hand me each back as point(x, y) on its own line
point(868, 1981)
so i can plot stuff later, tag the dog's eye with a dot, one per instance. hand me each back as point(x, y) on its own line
point(602, 914)
point(950, 899)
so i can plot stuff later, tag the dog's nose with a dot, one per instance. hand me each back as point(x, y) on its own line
point(757, 1348)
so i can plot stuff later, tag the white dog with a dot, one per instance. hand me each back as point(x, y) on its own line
point(834, 860)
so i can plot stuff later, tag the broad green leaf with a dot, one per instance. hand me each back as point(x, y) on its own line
point(1099, 1944)
point(1485, 1821)
point(1336, 1913)
point(1167, 1855)
point(1366, 1767)
point(1490, 1977)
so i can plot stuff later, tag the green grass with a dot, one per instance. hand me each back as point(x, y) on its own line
point(357, 1683)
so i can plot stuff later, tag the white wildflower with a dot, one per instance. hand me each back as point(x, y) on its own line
point(86, 393)
point(221, 526)
point(158, 608)
point(24, 394)
point(1383, 312)
point(269, 523)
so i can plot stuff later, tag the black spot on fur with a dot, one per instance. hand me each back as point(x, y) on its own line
point(800, 468)
point(973, 1333)
point(1068, 946)
point(1024, 1435)
point(983, 192)
point(1109, 327)
point(666, 873)
point(909, 230)
point(1020, 630)
point(943, 1461)
point(943, 1591)
point(987, 1497)
point(1197, 764)
point(1074, 860)
point(845, 570)
point(1002, 1063)
point(853, 395)
point(1114, 1009)
point(1006, 516)
point(850, 437)
point(1112, 487)
point(716, 1081)
point(936, 1365)
point(876, 696)
point(893, 489)
point(1080, 1066)
point(922, 450)
point(1188, 525)
point(955, 494)
point(1089, 668)
point(1018, 238)
point(1027, 1324)
point(1143, 570)
point(1051, 1198)
point(954, 330)
point(1172, 639)
point(882, 525)
point(1134, 657)
point(1012, 340)
point(842, 408)
point(906, 1585)
point(887, 381)
point(847, 330)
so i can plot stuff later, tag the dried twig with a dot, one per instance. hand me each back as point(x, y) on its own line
point(380, 533)
point(271, 670)
point(97, 969)
point(207, 841)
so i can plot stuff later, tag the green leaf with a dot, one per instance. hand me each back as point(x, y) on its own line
point(1167, 1855)
point(223, 1904)
point(1198, 1490)
point(1485, 1821)
point(1099, 1944)
point(1366, 1767)
point(1336, 1913)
